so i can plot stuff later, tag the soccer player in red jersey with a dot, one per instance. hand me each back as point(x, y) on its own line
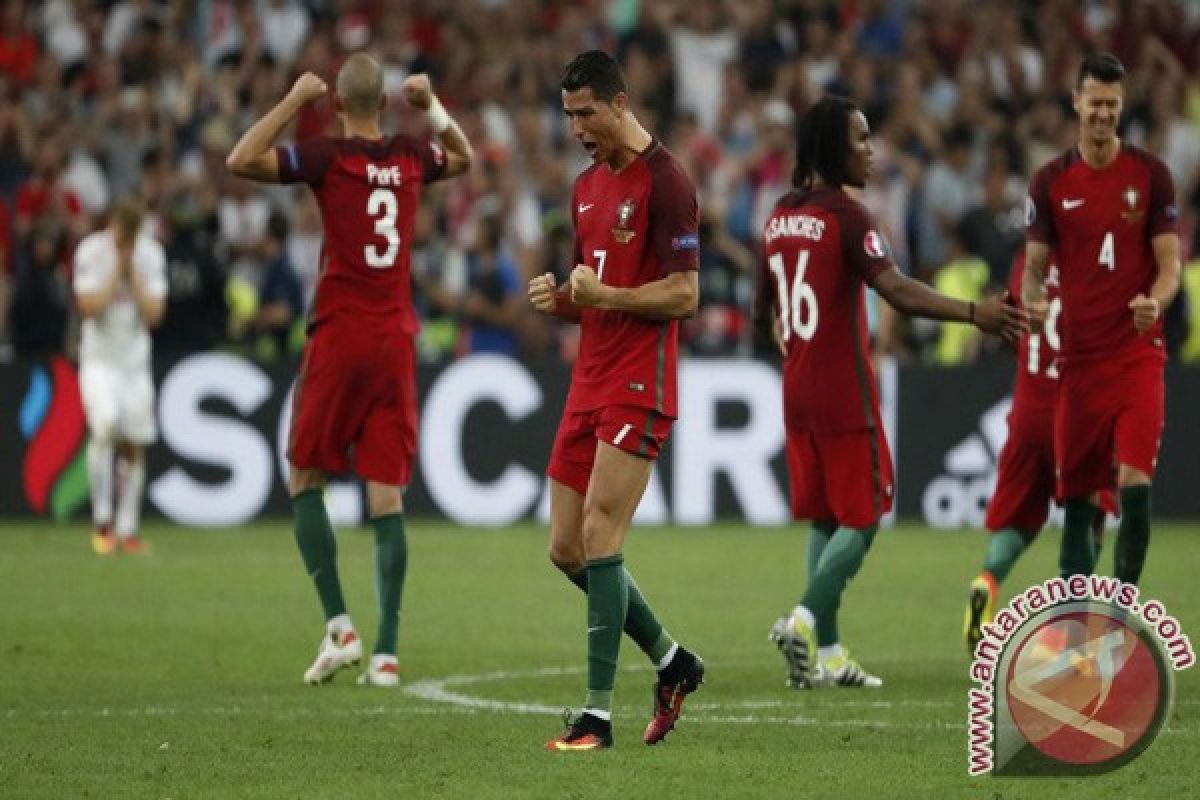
point(636, 256)
point(1025, 484)
point(1107, 210)
point(356, 391)
point(821, 249)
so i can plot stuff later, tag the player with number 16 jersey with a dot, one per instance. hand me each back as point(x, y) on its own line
point(821, 251)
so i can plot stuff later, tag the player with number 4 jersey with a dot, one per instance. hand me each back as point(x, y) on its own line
point(355, 399)
point(1107, 211)
point(821, 251)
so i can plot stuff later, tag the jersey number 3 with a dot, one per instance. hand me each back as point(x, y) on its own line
point(792, 309)
point(382, 203)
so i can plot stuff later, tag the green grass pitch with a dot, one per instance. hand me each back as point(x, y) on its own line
point(178, 675)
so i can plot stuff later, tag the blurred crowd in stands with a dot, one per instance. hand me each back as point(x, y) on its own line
point(99, 100)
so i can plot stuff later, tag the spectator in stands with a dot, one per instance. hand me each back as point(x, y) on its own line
point(280, 318)
point(494, 302)
point(197, 312)
point(40, 298)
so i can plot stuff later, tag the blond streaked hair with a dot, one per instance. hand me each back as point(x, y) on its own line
point(360, 85)
point(127, 217)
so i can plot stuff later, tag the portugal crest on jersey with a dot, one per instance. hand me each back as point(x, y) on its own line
point(622, 232)
point(1130, 197)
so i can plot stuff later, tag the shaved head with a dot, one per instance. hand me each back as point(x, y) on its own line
point(360, 85)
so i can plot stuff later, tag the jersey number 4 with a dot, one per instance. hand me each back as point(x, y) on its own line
point(797, 309)
point(382, 203)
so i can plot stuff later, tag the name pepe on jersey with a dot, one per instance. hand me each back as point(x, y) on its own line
point(368, 192)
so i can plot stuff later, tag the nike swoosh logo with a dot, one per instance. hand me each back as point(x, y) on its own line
point(595, 628)
point(584, 207)
point(1076, 203)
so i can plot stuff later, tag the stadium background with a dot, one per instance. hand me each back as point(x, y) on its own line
point(177, 674)
point(103, 99)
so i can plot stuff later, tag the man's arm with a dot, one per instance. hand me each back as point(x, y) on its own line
point(92, 302)
point(150, 306)
point(672, 297)
point(254, 156)
point(552, 300)
point(91, 296)
point(1033, 282)
point(908, 296)
point(1148, 308)
point(418, 91)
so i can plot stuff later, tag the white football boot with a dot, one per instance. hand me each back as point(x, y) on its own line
point(381, 671)
point(337, 651)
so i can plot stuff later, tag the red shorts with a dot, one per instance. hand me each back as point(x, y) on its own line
point(641, 431)
point(1025, 483)
point(1109, 413)
point(356, 399)
point(844, 476)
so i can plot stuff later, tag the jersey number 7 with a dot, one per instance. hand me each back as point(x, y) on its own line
point(791, 314)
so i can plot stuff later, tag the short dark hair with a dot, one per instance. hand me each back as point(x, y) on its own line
point(595, 70)
point(1102, 66)
point(823, 142)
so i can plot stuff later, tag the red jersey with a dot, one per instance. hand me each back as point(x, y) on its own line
point(368, 192)
point(1036, 385)
point(633, 227)
point(1100, 223)
point(821, 248)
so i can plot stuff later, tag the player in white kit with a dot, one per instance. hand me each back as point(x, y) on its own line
point(121, 290)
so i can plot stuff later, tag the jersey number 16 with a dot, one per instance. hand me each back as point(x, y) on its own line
point(792, 316)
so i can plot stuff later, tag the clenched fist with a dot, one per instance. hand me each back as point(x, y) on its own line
point(541, 293)
point(586, 288)
point(1145, 312)
point(309, 87)
point(418, 91)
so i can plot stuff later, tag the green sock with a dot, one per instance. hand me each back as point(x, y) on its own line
point(1077, 556)
point(1098, 535)
point(1133, 534)
point(640, 623)
point(840, 562)
point(818, 537)
point(391, 562)
point(1004, 548)
point(608, 602)
point(318, 547)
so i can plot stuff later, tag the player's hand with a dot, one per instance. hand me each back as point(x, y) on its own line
point(541, 293)
point(996, 315)
point(586, 288)
point(309, 87)
point(418, 91)
point(1038, 311)
point(125, 260)
point(1145, 312)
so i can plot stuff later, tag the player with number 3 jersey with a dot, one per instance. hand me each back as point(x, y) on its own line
point(355, 399)
point(821, 251)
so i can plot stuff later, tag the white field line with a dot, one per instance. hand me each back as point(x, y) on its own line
point(447, 696)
